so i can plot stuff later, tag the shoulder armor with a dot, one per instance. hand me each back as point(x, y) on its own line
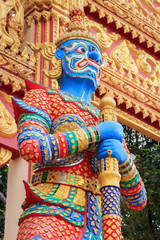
point(21, 107)
point(33, 85)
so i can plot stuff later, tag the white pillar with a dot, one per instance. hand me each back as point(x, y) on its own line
point(18, 171)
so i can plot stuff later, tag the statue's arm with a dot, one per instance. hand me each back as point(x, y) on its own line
point(37, 145)
point(132, 188)
point(34, 121)
point(35, 142)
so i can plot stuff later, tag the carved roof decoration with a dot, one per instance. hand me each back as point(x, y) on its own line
point(60, 5)
point(11, 25)
point(5, 156)
point(8, 126)
point(8, 130)
point(141, 22)
point(15, 68)
point(15, 65)
point(132, 77)
point(140, 18)
point(138, 99)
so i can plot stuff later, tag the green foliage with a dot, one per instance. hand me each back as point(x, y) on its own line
point(144, 224)
point(3, 189)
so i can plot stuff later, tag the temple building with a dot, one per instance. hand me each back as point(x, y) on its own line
point(129, 34)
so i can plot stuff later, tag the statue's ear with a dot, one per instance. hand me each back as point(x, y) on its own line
point(59, 53)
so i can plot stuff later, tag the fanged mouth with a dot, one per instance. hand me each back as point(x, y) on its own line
point(83, 63)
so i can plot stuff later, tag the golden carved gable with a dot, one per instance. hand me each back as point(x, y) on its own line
point(8, 126)
point(14, 69)
point(7, 98)
point(132, 17)
point(61, 5)
point(5, 155)
point(137, 61)
point(121, 56)
point(106, 39)
point(12, 28)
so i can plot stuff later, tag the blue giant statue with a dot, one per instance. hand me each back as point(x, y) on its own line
point(56, 131)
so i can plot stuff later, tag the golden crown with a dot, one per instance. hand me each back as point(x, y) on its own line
point(77, 29)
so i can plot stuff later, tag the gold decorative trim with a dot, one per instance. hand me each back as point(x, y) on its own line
point(138, 125)
point(122, 57)
point(47, 50)
point(17, 83)
point(37, 17)
point(133, 122)
point(59, 5)
point(110, 216)
point(8, 126)
point(130, 95)
point(134, 18)
point(123, 15)
point(59, 21)
point(130, 175)
point(56, 25)
point(23, 59)
point(12, 28)
point(69, 179)
point(28, 20)
point(46, 16)
point(7, 98)
point(121, 73)
point(146, 64)
point(5, 155)
point(105, 39)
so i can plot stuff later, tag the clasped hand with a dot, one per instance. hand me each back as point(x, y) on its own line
point(111, 135)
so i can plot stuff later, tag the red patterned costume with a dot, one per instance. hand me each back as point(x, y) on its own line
point(65, 192)
point(65, 181)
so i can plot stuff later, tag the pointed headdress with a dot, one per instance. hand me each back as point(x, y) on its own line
point(77, 29)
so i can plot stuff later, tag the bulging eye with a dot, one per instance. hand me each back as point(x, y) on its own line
point(81, 50)
point(92, 48)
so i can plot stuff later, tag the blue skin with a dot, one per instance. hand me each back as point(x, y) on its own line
point(76, 82)
point(111, 138)
point(82, 82)
point(115, 146)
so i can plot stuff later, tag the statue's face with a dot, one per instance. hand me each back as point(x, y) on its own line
point(82, 59)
